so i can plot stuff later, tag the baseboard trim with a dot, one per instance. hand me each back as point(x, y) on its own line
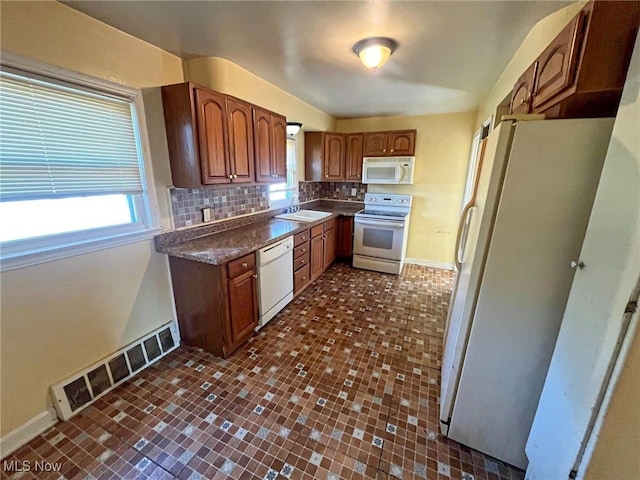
point(429, 263)
point(27, 431)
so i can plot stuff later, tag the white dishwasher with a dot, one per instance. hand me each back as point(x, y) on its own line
point(275, 279)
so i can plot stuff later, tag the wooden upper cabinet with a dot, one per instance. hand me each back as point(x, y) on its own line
point(353, 153)
point(386, 144)
point(211, 112)
point(521, 97)
point(581, 73)
point(262, 128)
point(270, 146)
point(557, 63)
point(215, 138)
point(333, 156)
point(240, 140)
point(402, 142)
point(375, 144)
point(280, 147)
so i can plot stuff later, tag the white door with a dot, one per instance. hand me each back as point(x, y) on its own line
point(593, 318)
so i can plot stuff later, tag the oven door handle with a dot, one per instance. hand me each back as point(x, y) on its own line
point(380, 223)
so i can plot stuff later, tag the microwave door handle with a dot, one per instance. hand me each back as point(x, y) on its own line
point(399, 173)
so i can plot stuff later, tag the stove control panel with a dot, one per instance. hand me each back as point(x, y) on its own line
point(391, 200)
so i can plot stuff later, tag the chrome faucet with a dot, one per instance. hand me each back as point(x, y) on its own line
point(294, 208)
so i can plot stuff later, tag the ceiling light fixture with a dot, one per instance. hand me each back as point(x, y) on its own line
point(293, 128)
point(375, 51)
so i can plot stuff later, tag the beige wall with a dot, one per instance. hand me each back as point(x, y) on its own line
point(442, 155)
point(536, 40)
point(227, 77)
point(58, 317)
point(617, 453)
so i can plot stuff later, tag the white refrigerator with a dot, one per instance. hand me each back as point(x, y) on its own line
point(534, 194)
point(600, 324)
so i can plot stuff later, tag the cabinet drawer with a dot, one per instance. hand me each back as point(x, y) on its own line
point(317, 230)
point(301, 262)
point(241, 265)
point(300, 278)
point(301, 238)
point(330, 224)
point(301, 250)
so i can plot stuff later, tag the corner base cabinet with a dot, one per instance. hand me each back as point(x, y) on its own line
point(217, 305)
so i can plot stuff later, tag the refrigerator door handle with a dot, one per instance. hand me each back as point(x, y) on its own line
point(463, 229)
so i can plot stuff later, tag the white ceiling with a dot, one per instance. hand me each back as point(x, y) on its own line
point(450, 54)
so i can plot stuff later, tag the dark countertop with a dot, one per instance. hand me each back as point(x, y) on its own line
point(222, 247)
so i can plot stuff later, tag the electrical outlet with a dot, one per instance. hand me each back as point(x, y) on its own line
point(206, 214)
point(354, 192)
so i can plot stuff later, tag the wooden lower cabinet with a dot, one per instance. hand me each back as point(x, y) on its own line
point(317, 256)
point(243, 306)
point(217, 305)
point(322, 248)
point(329, 250)
point(344, 237)
point(301, 258)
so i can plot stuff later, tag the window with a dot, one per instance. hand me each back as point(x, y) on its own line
point(280, 193)
point(71, 166)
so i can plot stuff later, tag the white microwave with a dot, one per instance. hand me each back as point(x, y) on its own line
point(388, 170)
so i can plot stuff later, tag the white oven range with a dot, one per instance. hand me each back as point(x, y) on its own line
point(381, 231)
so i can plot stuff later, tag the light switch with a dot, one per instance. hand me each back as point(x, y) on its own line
point(354, 192)
point(206, 214)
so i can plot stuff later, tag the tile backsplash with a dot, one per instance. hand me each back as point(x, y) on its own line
point(342, 190)
point(227, 201)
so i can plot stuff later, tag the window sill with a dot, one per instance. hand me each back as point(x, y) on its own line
point(36, 255)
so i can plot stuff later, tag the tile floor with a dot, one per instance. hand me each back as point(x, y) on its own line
point(343, 384)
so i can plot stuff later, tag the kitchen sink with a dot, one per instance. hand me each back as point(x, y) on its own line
point(304, 215)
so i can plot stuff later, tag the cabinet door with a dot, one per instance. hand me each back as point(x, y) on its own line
point(375, 144)
point(557, 63)
point(279, 156)
point(212, 134)
point(263, 141)
point(333, 162)
point(354, 157)
point(317, 256)
point(521, 98)
point(240, 140)
point(243, 305)
point(402, 143)
point(344, 242)
point(329, 248)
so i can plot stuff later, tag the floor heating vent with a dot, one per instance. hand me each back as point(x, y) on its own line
point(80, 390)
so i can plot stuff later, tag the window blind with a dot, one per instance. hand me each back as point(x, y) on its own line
point(57, 141)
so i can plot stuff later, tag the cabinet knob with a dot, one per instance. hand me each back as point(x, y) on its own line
point(235, 176)
point(304, 249)
point(230, 176)
point(327, 175)
point(521, 101)
point(304, 238)
point(392, 150)
point(384, 150)
point(255, 276)
point(244, 265)
point(304, 278)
